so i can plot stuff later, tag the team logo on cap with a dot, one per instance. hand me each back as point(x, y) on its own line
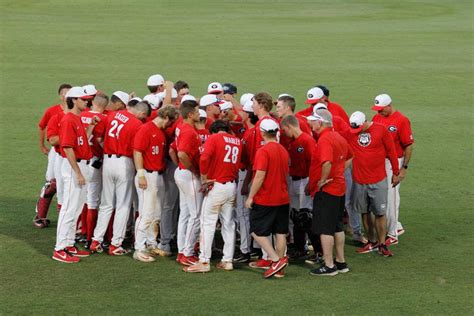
point(214, 86)
point(310, 96)
point(300, 149)
point(377, 101)
point(392, 128)
point(364, 139)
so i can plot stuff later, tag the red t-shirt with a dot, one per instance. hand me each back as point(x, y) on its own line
point(97, 132)
point(120, 132)
point(334, 148)
point(203, 136)
point(221, 156)
point(53, 129)
point(301, 150)
point(188, 141)
point(399, 127)
point(337, 110)
point(273, 159)
point(285, 140)
point(247, 147)
point(258, 141)
point(151, 142)
point(305, 112)
point(153, 115)
point(370, 148)
point(48, 114)
point(73, 135)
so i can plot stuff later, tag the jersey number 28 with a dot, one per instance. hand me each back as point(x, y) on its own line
point(232, 153)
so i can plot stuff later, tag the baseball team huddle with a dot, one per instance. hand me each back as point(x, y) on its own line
point(159, 175)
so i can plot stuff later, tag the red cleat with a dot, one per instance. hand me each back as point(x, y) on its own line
point(63, 256)
point(178, 257)
point(116, 251)
point(73, 251)
point(275, 267)
point(368, 247)
point(261, 264)
point(391, 241)
point(96, 247)
point(188, 261)
point(384, 251)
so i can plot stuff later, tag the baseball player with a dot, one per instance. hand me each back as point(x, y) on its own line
point(49, 188)
point(210, 103)
point(188, 182)
point(149, 157)
point(75, 172)
point(269, 198)
point(320, 94)
point(399, 127)
point(117, 175)
point(286, 106)
point(94, 185)
point(118, 101)
point(371, 144)
point(156, 85)
point(182, 89)
point(219, 165)
point(216, 89)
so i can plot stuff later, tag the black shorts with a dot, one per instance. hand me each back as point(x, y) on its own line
point(328, 212)
point(267, 220)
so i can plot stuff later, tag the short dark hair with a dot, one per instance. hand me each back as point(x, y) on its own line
point(325, 89)
point(265, 99)
point(290, 120)
point(289, 101)
point(133, 102)
point(219, 126)
point(116, 99)
point(70, 103)
point(143, 106)
point(180, 84)
point(187, 107)
point(64, 86)
point(153, 89)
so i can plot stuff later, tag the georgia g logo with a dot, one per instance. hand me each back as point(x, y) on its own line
point(310, 96)
point(364, 139)
point(214, 86)
point(392, 129)
point(300, 149)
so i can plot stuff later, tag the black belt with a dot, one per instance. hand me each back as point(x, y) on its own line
point(160, 172)
point(232, 181)
point(111, 155)
point(243, 169)
point(295, 178)
point(86, 161)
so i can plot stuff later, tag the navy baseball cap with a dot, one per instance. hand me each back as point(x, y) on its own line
point(229, 88)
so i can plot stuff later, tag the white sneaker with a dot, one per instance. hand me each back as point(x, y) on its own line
point(225, 265)
point(198, 267)
point(142, 256)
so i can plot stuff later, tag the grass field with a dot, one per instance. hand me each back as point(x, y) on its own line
point(420, 52)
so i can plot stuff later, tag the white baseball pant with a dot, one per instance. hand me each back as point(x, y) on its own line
point(94, 186)
point(170, 208)
point(190, 210)
point(150, 205)
point(74, 197)
point(298, 198)
point(58, 163)
point(50, 174)
point(242, 216)
point(117, 185)
point(393, 201)
point(218, 204)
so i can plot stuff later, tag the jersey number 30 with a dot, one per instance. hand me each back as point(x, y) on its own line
point(114, 131)
point(232, 153)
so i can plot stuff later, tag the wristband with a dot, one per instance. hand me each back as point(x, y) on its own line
point(141, 173)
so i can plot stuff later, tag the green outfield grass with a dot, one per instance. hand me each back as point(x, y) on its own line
point(420, 52)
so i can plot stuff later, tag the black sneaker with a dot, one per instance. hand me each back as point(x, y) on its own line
point(315, 259)
point(341, 267)
point(242, 258)
point(255, 253)
point(324, 271)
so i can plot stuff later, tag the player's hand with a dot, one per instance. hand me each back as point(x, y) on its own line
point(322, 183)
point(132, 95)
point(402, 174)
point(81, 180)
point(228, 97)
point(142, 184)
point(44, 150)
point(395, 180)
point(168, 85)
point(249, 203)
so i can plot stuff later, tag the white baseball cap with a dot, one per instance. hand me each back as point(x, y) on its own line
point(78, 92)
point(225, 106)
point(357, 120)
point(155, 80)
point(284, 95)
point(248, 106)
point(319, 106)
point(202, 114)
point(123, 96)
point(314, 95)
point(209, 99)
point(214, 87)
point(381, 101)
point(155, 100)
point(90, 89)
point(136, 99)
point(245, 97)
point(188, 97)
point(268, 125)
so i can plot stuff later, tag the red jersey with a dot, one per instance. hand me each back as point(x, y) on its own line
point(73, 135)
point(97, 132)
point(337, 110)
point(153, 115)
point(121, 129)
point(305, 112)
point(334, 148)
point(399, 127)
point(220, 158)
point(53, 129)
point(203, 136)
point(247, 147)
point(370, 148)
point(304, 126)
point(300, 151)
point(188, 141)
point(151, 142)
point(48, 114)
point(273, 159)
point(258, 141)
